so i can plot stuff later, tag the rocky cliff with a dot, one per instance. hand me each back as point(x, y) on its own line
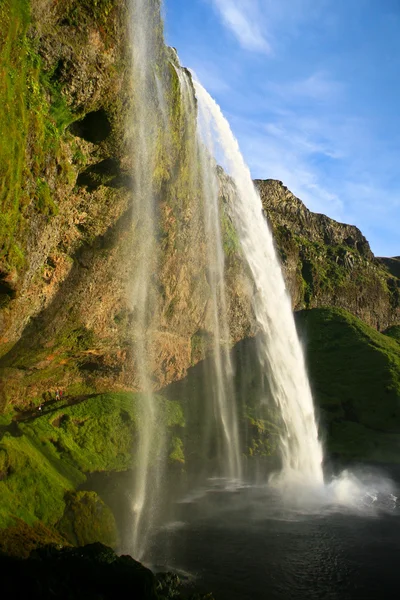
point(327, 263)
point(70, 232)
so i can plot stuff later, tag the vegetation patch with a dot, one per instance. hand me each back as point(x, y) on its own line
point(34, 117)
point(393, 332)
point(262, 434)
point(355, 373)
point(36, 480)
point(87, 520)
point(20, 539)
point(177, 453)
point(43, 464)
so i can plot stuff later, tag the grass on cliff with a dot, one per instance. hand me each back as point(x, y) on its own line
point(54, 452)
point(87, 520)
point(34, 481)
point(355, 374)
point(33, 116)
point(95, 435)
point(394, 332)
point(325, 268)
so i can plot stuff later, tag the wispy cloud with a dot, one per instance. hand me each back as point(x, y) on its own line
point(258, 24)
point(277, 152)
point(318, 86)
point(243, 19)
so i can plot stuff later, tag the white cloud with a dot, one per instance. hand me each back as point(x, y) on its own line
point(243, 19)
point(258, 24)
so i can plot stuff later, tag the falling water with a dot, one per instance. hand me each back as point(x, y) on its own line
point(150, 444)
point(280, 353)
point(220, 375)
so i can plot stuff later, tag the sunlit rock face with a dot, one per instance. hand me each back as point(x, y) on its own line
point(72, 247)
point(327, 263)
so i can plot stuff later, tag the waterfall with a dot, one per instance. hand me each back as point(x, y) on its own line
point(154, 122)
point(219, 377)
point(150, 446)
point(279, 350)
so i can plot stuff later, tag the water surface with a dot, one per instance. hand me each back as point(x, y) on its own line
point(252, 544)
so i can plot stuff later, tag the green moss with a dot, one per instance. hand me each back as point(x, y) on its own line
point(173, 413)
point(198, 345)
point(230, 239)
point(353, 441)
point(6, 419)
point(262, 433)
point(54, 452)
point(177, 453)
point(95, 435)
point(87, 520)
point(74, 338)
point(393, 332)
point(355, 374)
point(36, 480)
point(33, 116)
point(83, 13)
point(44, 199)
point(326, 270)
point(21, 539)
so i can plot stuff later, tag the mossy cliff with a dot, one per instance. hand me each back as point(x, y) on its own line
point(46, 457)
point(70, 238)
point(327, 263)
point(70, 244)
point(355, 374)
point(67, 60)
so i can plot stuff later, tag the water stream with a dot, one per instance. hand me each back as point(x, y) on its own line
point(220, 374)
point(150, 446)
point(280, 353)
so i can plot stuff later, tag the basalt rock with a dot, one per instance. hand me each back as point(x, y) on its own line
point(327, 263)
point(90, 572)
point(68, 261)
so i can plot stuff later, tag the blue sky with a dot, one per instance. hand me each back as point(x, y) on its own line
point(312, 92)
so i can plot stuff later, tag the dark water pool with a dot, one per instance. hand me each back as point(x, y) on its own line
point(251, 544)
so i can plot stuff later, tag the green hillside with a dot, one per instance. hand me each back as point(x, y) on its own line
point(355, 374)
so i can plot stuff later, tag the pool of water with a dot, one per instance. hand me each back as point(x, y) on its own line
point(257, 543)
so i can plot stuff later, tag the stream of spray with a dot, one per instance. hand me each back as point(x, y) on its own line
point(220, 375)
point(150, 446)
point(279, 350)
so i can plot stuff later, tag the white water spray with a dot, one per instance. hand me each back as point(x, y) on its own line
point(279, 351)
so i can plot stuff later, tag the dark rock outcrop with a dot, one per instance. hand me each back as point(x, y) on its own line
point(89, 572)
point(327, 263)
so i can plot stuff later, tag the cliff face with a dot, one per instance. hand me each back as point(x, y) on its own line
point(327, 263)
point(71, 229)
point(64, 206)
